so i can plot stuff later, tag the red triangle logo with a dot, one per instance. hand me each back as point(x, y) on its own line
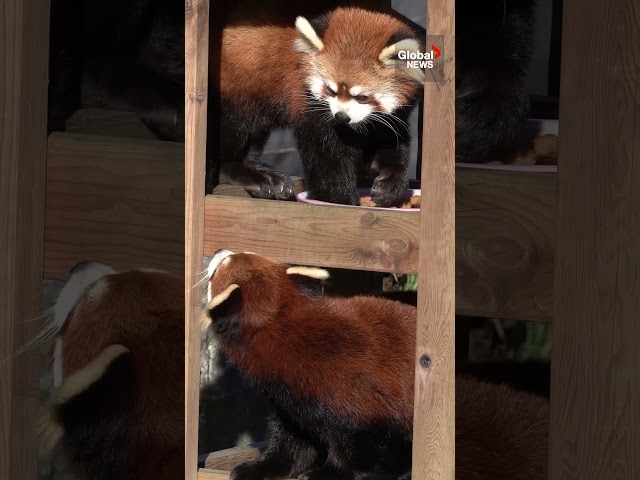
point(436, 50)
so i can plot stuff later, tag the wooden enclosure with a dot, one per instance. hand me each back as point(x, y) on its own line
point(531, 246)
point(342, 237)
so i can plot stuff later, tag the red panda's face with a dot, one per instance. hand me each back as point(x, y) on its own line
point(352, 64)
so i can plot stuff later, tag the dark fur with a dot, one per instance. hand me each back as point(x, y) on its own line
point(122, 54)
point(494, 42)
point(339, 374)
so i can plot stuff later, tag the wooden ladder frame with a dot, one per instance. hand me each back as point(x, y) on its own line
point(435, 232)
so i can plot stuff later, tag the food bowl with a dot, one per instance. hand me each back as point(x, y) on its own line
point(363, 193)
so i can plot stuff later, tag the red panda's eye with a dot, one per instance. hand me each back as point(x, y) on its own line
point(330, 90)
point(361, 98)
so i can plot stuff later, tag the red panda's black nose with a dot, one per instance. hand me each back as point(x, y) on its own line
point(342, 117)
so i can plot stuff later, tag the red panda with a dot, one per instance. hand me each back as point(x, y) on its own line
point(336, 80)
point(117, 406)
point(339, 373)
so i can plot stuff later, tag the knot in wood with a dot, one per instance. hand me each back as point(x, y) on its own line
point(425, 361)
point(368, 220)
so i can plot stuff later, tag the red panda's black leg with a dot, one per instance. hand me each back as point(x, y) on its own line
point(392, 180)
point(238, 154)
point(330, 166)
point(351, 456)
point(286, 455)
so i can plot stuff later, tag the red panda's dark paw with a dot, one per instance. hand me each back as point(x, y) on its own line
point(247, 471)
point(388, 190)
point(271, 185)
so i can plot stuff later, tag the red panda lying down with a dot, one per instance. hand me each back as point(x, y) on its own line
point(117, 408)
point(339, 375)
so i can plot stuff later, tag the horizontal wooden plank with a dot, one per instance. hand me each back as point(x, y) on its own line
point(207, 474)
point(121, 201)
point(292, 232)
point(219, 464)
point(505, 233)
point(114, 200)
point(225, 460)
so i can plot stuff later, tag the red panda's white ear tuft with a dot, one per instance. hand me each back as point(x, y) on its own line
point(311, 272)
point(309, 280)
point(310, 41)
point(389, 56)
point(215, 302)
point(52, 428)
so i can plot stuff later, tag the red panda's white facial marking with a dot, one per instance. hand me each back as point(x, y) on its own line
point(82, 277)
point(221, 257)
point(355, 112)
point(387, 102)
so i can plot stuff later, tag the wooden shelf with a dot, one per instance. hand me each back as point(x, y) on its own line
point(339, 237)
point(504, 238)
point(218, 465)
point(103, 205)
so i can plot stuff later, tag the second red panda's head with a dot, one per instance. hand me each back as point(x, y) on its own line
point(117, 405)
point(351, 55)
point(267, 283)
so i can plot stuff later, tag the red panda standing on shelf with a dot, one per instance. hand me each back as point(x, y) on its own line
point(339, 375)
point(117, 406)
point(336, 80)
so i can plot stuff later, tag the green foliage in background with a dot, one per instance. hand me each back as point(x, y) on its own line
point(536, 344)
point(410, 283)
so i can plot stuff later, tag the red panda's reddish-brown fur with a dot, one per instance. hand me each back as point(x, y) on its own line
point(338, 335)
point(258, 61)
point(355, 357)
point(129, 422)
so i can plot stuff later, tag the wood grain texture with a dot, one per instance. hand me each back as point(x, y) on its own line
point(225, 460)
point(196, 83)
point(113, 200)
point(23, 112)
point(505, 234)
point(292, 232)
point(434, 407)
point(219, 464)
point(209, 474)
point(595, 403)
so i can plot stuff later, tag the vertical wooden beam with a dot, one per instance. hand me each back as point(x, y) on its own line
point(23, 115)
point(595, 397)
point(434, 420)
point(196, 81)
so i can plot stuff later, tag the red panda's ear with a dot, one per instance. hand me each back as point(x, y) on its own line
point(223, 304)
point(309, 40)
point(97, 392)
point(310, 279)
point(390, 55)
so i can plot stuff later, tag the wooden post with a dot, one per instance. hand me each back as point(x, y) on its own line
point(434, 420)
point(196, 78)
point(23, 142)
point(595, 394)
